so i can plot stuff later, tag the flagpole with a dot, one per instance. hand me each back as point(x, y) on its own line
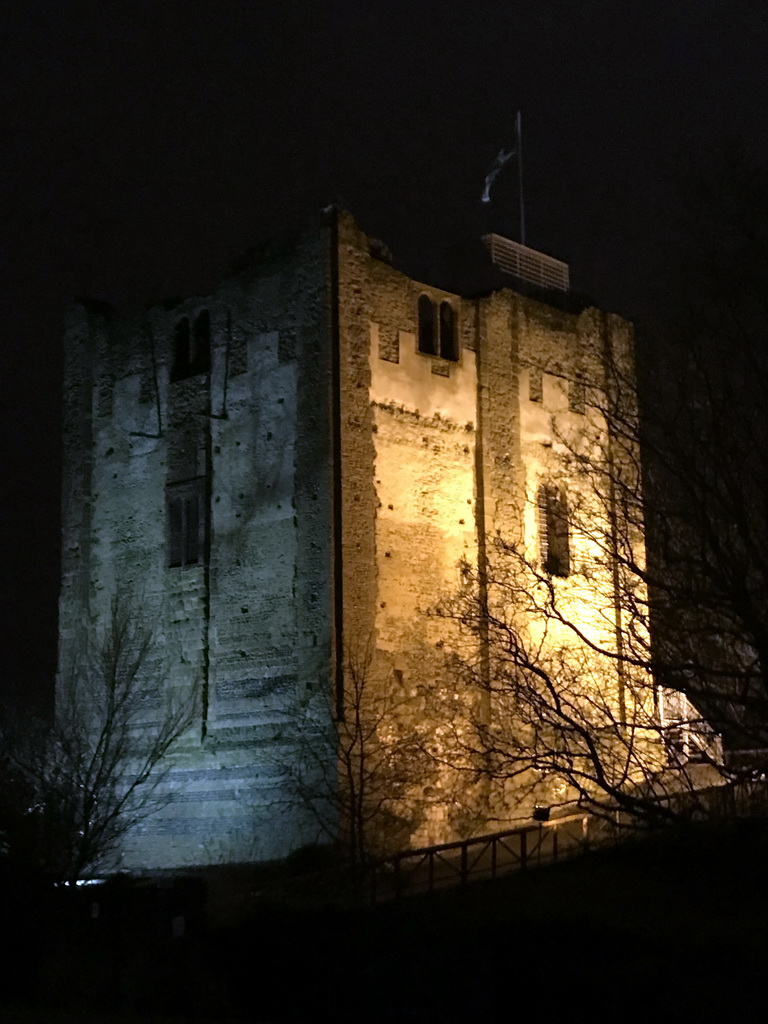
point(519, 132)
point(498, 163)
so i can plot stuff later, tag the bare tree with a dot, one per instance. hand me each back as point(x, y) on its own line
point(569, 718)
point(76, 787)
point(637, 668)
point(608, 675)
point(361, 776)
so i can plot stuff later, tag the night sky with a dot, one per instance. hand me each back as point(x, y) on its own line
point(146, 144)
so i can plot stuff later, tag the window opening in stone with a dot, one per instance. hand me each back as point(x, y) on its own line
point(449, 346)
point(427, 326)
point(535, 385)
point(554, 544)
point(192, 346)
point(187, 523)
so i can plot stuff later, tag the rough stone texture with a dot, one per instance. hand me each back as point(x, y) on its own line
point(250, 628)
point(433, 456)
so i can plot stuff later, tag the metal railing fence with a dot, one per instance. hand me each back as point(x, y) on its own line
point(488, 856)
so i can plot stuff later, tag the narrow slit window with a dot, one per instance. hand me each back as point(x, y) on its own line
point(449, 346)
point(192, 346)
point(192, 545)
point(554, 541)
point(535, 385)
point(427, 326)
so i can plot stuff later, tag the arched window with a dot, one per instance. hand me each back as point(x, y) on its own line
point(192, 346)
point(427, 326)
point(554, 544)
point(449, 347)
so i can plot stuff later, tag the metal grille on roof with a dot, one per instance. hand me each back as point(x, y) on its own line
point(527, 264)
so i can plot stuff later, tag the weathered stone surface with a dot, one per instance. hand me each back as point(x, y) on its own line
point(431, 456)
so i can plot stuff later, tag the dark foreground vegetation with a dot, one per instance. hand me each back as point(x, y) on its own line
point(675, 923)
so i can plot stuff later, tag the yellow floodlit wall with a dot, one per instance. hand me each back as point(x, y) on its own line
point(439, 458)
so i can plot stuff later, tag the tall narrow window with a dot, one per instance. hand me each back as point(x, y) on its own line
point(187, 523)
point(192, 346)
point(427, 326)
point(449, 342)
point(554, 544)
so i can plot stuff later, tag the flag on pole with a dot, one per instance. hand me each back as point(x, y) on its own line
point(498, 163)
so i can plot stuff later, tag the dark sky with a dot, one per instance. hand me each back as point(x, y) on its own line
point(146, 143)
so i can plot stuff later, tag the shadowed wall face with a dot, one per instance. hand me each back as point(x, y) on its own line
point(197, 486)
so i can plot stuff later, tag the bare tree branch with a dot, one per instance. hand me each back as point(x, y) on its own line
point(85, 781)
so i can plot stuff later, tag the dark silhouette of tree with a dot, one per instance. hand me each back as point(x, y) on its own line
point(705, 445)
point(640, 673)
point(74, 788)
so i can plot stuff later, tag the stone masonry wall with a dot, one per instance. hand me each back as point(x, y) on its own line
point(436, 457)
point(408, 450)
point(455, 452)
point(249, 628)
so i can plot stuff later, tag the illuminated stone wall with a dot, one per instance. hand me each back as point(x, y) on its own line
point(440, 457)
point(250, 629)
point(433, 455)
point(408, 452)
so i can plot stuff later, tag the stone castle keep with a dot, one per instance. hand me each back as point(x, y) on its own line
point(290, 471)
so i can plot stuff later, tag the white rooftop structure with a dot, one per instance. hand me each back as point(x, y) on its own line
point(527, 264)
